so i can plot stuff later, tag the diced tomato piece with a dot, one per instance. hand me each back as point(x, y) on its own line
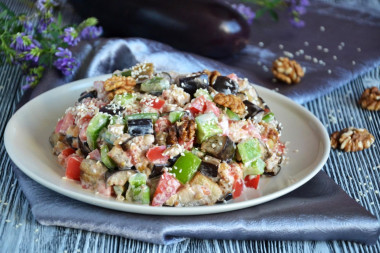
point(95, 155)
point(73, 166)
point(252, 181)
point(155, 103)
point(237, 188)
point(162, 124)
point(154, 155)
point(233, 76)
point(167, 186)
point(67, 121)
point(58, 126)
point(83, 124)
point(64, 154)
point(211, 107)
point(198, 105)
point(281, 147)
point(186, 145)
point(67, 152)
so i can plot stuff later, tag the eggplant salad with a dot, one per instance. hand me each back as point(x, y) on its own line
point(169, 139)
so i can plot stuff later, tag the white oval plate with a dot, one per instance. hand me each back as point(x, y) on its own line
point(27, 142)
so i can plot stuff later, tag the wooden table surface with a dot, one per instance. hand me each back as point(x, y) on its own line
point(357, 174)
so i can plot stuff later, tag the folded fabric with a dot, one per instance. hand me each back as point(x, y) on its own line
point(319, 210)
point(336, 45)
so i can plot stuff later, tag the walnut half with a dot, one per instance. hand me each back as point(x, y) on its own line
point(370, 99)
point(288, 71)
point(352, 139)
point(230, 101)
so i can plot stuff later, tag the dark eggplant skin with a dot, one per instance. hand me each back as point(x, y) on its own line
point(138, 127)
point(88, 94)
point(253, 110)
point(226, 85)
point(192, 83)
point(207, 27)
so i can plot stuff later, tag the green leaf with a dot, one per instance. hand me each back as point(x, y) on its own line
point(273, 14)
point(10, 13)
point(261, 12)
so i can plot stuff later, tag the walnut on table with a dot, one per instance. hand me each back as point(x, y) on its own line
point(370, 99)
point(230, 101)
point(119, 85)
point(352, 139)
point(288, 71)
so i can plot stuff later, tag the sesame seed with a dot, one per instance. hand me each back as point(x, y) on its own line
point(329, 71)
point(315, 60)
point(261, 44)
point(353, 63)
point(335, 58)
point(326, 50)
point(308, 57)
point(340, 47)
point(319, 47)
point(322, 28)
point(281, 46)
point(359, 49)
point(306, 43)
point(288, 54)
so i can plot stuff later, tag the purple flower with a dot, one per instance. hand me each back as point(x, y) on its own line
point(245, 11)
point(91, 32)
point(28, 26)
point(43, 23)
point(27, 48)
point(65, 62)
point(70, 36)
point(296, 9)
point(46, 5)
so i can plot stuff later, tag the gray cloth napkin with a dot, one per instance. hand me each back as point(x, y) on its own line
point(319, 210)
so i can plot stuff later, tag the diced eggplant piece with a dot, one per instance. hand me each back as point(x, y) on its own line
point(112, 109)
point(172, 160)
point(225, 198)
point(119, 177)
point(157, 170)
point(221, 147)
point(273, 172)
point(254, 111)
point(84, 148)
point(92, 172)
point(209, 166)
point(55, 137)
point(201, 190)
point(120, 157)
point(192, 83)
point(226, 85)
point(88, 94)
point(138, 127)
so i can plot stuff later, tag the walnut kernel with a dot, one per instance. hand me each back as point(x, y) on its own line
point(230, 101)
point(288, 71)
point(118, 85)
point(352, 139)
point(370, 99)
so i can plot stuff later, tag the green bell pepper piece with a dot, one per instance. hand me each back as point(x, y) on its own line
point(199, 92)
point(249, 150)
point(108, 162)
point(124, 99)
point(254, 168)
point(231, 115)
point(138, 189)
point(186, 166)
point(153, 116)
point(207, 126)
point(268, 117)
point(96, 124)
point(175, 116)
point(137, 179)
point(141, 194)
point(155, 84)
point(127, 73)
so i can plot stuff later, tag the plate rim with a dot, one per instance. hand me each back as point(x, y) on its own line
point(151, 210)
